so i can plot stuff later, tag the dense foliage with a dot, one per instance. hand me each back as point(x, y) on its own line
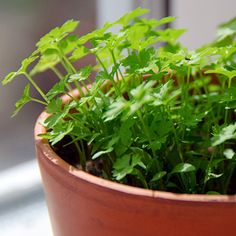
point(157, 116)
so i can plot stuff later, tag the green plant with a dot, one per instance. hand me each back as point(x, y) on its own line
point(155, 117)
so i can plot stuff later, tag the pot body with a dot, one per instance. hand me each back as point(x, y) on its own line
point(82, 204)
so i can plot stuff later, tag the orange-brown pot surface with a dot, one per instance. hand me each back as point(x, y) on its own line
point(84, 205)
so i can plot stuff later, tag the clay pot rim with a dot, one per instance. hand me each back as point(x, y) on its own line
point(60, 163)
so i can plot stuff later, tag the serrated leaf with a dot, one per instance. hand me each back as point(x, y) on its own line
point(57, 89)
point(126, 164)
point(115, 109)
point(49, 59)
point(58, 115)
point(135, 35)
point(51, 39)
point(125, 19)
point(53, 120)
point(166, 20)
point(25, 98)
point(122, 167)
point(81, 75)
point(137, 160)
point(69, 26)
point(59, 133)
point(170, 35)
point(68, 44)
point(96, 33)
point(163, 95)
point(24, 65)
point(78, 53)
point(55, 106)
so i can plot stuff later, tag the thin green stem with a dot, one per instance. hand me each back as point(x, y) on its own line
point(176, 138)
point(57, 72)
point(146, 131)
point(39, 101)
point(82, 155)
point(227, 109)
point(207, 171)
point(229, 176)
point(36, 87)
point(70, 69)
point(115, 63)
point(230, 81)
point(60, 76)
point(68, 64)
point(105, 69)
point(76, 83)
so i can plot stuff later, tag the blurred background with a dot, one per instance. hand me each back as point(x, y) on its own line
point(22, 23)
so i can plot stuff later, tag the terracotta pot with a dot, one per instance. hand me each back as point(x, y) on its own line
point(84, 205)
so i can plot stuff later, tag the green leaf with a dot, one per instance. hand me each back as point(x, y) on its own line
point(222, 71)
point(68, 44)
point(69, 26)
point(225, 133)
point(115, 109)
point(49, 59)
point(166, 20)
point(53, 120)
point(213, 193)
point(78, 53)
point(211, 175)
point(57, 89)
point(158, 176)
point(183, 168)
point(83, 74)
point(170, 35)
point(26, 62)
point(55, 106)
point(163, 95)
point(126, 165)
point(25, 98)
point(61, 131)
point(226, 29)
point(137, 160)
point(95, 34)
point(125, 132)
point(134, 62)
point(140, 176)
point(58, 114)
point(141, 95)
point(24, 65)
point(122, 167)
point(51, 39)
point(100, 153)
point(135, 36)
point(10, 77)
point(125, 19)
point(229, 153)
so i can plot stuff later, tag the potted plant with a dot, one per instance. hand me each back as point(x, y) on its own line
point(143, 141)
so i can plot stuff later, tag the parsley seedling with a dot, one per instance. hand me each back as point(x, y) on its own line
point(154, 117)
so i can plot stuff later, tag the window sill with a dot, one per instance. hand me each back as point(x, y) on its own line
point(23, 209)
